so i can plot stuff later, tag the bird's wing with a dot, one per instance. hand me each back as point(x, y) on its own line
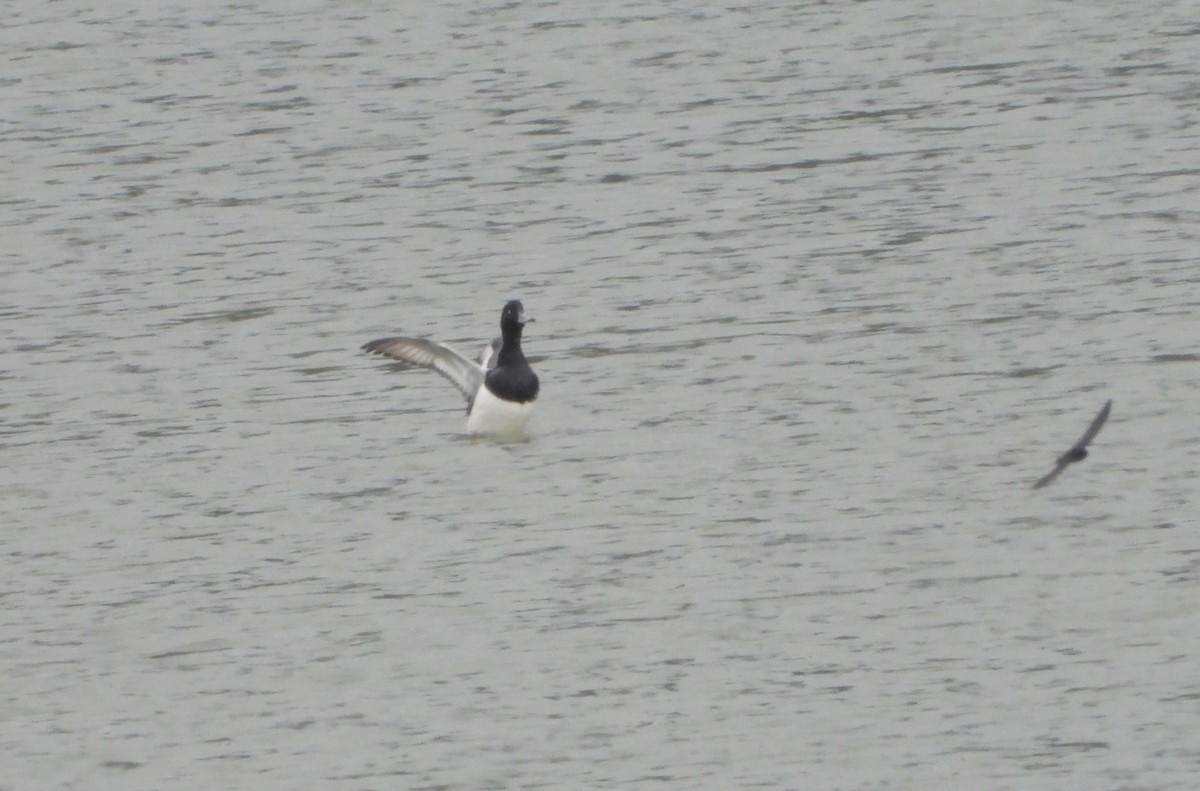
point(1062, 465)
point(467, 375)
point(487, 357)
point(1097, 424)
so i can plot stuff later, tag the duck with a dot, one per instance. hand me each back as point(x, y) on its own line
point(500, 387)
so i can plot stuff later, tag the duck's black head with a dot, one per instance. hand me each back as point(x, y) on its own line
point(513, 316)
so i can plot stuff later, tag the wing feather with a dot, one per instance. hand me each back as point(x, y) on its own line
point(1045, 479)
point(490, 353)
point(465, 374)
point(1097, 424)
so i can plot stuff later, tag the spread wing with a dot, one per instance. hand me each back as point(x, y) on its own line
point(1062, 465)
point(1094, 429)
point(467, 375)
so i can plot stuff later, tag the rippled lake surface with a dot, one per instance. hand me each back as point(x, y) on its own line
point(820, 291)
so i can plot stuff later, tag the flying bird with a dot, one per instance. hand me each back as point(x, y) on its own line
point(500, 387)
point(1078, 451)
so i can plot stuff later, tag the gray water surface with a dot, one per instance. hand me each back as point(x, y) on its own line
point(820, 289)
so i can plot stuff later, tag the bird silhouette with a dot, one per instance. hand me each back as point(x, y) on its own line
point(1078, 451)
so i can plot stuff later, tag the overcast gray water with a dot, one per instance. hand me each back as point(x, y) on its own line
point(820, 291)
